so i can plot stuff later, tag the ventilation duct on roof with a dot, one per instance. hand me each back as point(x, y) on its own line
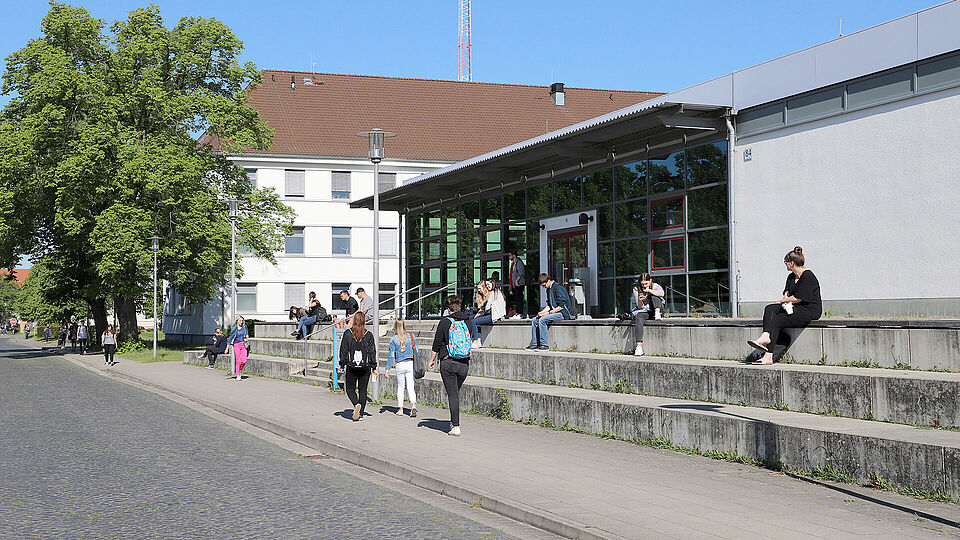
point(293, 83)
point(557, 94)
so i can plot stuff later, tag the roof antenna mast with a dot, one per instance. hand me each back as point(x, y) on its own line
point(465, 71)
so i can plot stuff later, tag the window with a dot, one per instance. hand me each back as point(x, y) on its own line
point(335, 299)
point(939, 73)
point(708, 206)
point(341, 241)
point(294, 243)
point(432, 250)
point(709, 249)
point(388, 242)
point(252, 177)
point(246, 298)
point(707, 164)
point(760, 118)
point(632, 218)
point(491, 240)
point(294, 183)
point(815, 105)
point(666, 213)
point(666, 173)
point(387, 291)
point(386, 181)
point(293, 294)
point(340, 184)
point(667, 253)
point(880, 88)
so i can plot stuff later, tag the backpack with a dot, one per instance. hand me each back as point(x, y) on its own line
point(458, 346)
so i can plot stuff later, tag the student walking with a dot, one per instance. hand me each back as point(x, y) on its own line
point(557, 308)
point(73, 336)
point(46, 332)
point(358, 357)
point(800, 304)
point(109, 342)
point(646, 302)
point(238, 339)
point(82, 337)
point(403, 347)
point(451, 344)
point(219, 346)
point(366, 304)
point(62, 340)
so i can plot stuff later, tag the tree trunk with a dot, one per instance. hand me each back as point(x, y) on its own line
point(126, 312)
point(99, 308)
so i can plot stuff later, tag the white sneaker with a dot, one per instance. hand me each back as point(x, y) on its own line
point(455, 431)
point(638, 351)
point(238, 378)
point(209, 367)
point(657, 316)
point(400, 412)
point(476, 344)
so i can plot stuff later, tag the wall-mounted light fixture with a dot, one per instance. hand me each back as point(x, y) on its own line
point(585, 218)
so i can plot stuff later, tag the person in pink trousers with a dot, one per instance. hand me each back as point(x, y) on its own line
point(238, 339)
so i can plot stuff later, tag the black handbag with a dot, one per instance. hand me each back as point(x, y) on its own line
point(419, 370)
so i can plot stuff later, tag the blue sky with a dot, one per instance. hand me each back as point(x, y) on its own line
point(617, 44)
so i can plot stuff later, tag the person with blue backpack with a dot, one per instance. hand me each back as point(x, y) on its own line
point(451, 344)
point(557, 308)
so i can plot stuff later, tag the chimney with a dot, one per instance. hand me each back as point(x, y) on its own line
point(556, 94)
point(293, 83)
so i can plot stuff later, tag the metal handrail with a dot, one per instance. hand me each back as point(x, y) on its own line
point(334, 323)
point(694, 297)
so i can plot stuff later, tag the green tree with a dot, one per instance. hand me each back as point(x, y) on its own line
point(9, 292)
point(45, 299)
point(99, 155)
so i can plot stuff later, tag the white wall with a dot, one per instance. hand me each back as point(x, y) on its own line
point(873, 197)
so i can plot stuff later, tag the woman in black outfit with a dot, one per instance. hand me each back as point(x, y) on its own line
point(218, 347)
point(358, 356)
point(800, 305)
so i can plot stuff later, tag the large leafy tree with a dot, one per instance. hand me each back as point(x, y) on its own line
point(98, 154)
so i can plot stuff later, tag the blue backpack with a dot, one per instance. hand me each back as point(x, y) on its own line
point(458, 346)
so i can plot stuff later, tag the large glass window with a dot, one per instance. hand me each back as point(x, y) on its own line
point(666, 172)
point(631, 180)
point(631, 256)
point(708, 207)
point(567, 195)
point(605, 229)
point(675, 287)
point(246, 297)
point(469, 215)
point(491, 210)
point(708, 249)
point(491, 240)
point(386, 181)
point(335, 301)
point(469, 244)
point(760, 118)
point(432, 250)
point(514, 204)
point(606, 296)
point(939, 73)
point(341, 241)
point(709, 293)
point(387, 291)
point(293, 294)
point(415, 226)
point(388, 242)
point(815, 105)
point(667, 253)
point(294, 243)
point(605, 252)
point(632, 218)
point(666, 213)
point(540, 200)
point(880, 88)
point(598, 187)
point(516, 236)
point(431, 223)
point(707, 163)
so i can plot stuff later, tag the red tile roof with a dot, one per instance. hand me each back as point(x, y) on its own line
point(19, 274)
point(435, 119)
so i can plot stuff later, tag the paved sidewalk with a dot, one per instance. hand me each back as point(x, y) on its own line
point(577, 484)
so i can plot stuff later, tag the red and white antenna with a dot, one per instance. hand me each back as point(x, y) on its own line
point(465, 71)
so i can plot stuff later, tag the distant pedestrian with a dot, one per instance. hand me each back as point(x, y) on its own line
point(73, 336)
point(47, 331)
point(26, 331)
point(62, 340)
point(403, 347)
point(451, 345)
point(493, 308)
point(646, 302)
point(366, 304)
point(516, 282)
point(82, 337)
point(219, 346)
point(557, 308)
point(800, 304)
point(238, 339)
point(109, 342)
point(358, 357)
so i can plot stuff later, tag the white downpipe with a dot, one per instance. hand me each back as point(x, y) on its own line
point(732, 217)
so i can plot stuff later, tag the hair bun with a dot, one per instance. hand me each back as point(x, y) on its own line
point(798, 250)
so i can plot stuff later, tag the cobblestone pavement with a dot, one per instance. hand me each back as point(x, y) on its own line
point(87, 457)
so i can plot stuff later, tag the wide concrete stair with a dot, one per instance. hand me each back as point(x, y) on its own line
point(802, 417)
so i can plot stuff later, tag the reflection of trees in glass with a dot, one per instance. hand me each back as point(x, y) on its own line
point(513, 206)
point(707, 163)
point(667, 253)
point(605, 254)
point(414, 274)
point(708, 249)
point(675, 288)
point(413, 251)
point(414, 224)
point(631, 180)
point(666, 174)
point(632, 218)
point(491, 210)
point(469, 244)
point(606, 296)
point(448, 219)
point(516, 236)
point(708, 207)
point(598, 187)
point(469, 216)
point(666, 213)
point(540, 199)
point(709, 293)
point(605, 222)
point(566, 195)
point(631, 256)
point(433, 223)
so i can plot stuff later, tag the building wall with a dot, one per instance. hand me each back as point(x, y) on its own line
point(870, 195)
point(317, 267)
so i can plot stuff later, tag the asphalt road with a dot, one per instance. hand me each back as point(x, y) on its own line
point(83, 456)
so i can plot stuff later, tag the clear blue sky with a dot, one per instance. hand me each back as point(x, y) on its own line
point(617, 44)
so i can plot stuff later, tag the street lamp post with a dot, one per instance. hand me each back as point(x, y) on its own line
point(156, 248)
point(233, 203)
point(376, 136)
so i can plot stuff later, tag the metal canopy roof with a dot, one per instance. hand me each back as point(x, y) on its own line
point(536, 161)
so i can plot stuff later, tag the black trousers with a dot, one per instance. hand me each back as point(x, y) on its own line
point(108, 351)
point(211, 354)
point(83, 345)
point(776, 319)
point(516, 299)
point(356, 386)
point(453, 373)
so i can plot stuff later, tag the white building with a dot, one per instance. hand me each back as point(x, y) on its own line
point(318, 166)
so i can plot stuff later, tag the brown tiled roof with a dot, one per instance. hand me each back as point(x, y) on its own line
point(435, 119)
point(19, 274)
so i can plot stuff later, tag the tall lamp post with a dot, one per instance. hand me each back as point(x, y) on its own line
point(156, 248)
point(233, 204)
point(376, 136)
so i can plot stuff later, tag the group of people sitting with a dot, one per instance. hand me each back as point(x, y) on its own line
point(313, 312)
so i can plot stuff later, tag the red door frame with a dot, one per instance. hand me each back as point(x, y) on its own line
point(567, 235)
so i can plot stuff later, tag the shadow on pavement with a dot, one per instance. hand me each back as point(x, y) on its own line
point(433, 423)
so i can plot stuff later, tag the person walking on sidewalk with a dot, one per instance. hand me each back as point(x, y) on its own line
point(238, 339)
point(403, 347)
point(109, 342)
point(73, 336)
point(358, 356)
point(62, 341)
point(46, 332)
point(82, 336)
point(451, 344)
point(219, 346)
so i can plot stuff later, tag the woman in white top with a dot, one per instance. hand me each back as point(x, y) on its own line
point(109, 342)
point(646, 302)
point(493, 309)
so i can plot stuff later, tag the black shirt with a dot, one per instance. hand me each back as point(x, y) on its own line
point(352, 305)
point(806, 288)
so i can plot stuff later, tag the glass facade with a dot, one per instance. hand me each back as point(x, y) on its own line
point(665, 214)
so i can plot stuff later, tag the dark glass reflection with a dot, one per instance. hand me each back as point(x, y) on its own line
point(605, 223)
point(516, 236)
point(675, 287)
point(414, 273)
point(709, 293)
point(469, 244)
point(632, 218)
point(567, 195)
point(666, 173)
point(708, 207)
point(666, 213)
point(598, 187)
point(415, 226)
point(540, 200)
point(667, 253)
point(469, 217)
point(708, 249)
point(514, 204)
point(432, 223)
point(707, 163)
point(414, 252)
point(448, 219)
point(631, 256)
point(491, 210)
point(605, 254)
point(631, 180)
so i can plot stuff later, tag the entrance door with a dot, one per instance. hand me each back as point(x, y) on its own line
point(568, 250)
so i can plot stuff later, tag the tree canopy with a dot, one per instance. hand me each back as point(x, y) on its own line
point(99, 154)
